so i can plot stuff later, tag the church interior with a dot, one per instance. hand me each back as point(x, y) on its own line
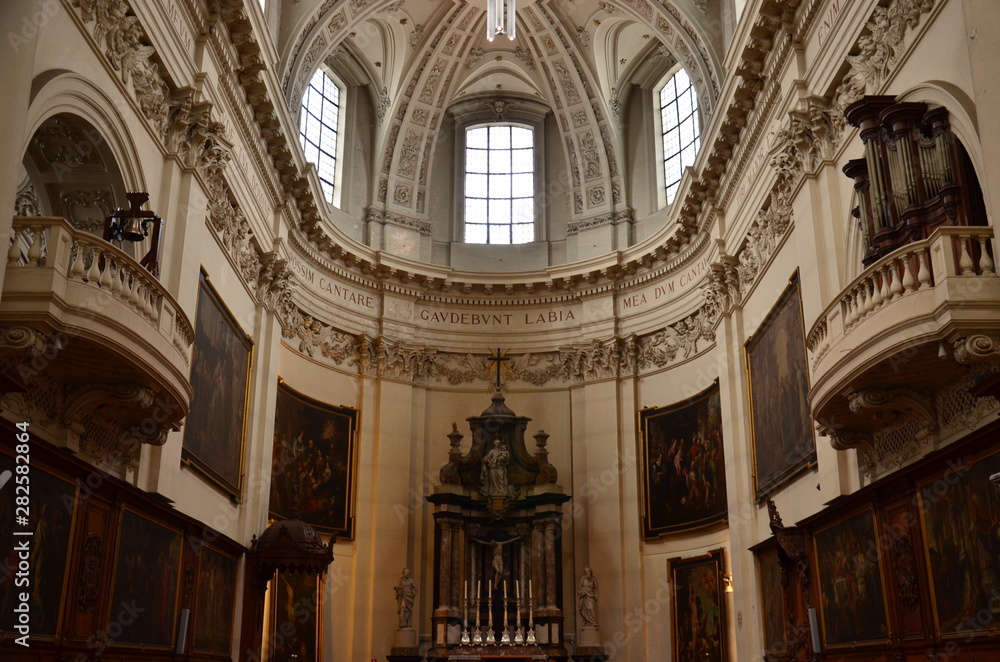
point(467, 330)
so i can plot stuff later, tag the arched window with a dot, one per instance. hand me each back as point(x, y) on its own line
point(319, 130)
point(499, 184)
point(680, 130)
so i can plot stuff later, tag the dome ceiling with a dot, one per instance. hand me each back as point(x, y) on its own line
point(577, 57)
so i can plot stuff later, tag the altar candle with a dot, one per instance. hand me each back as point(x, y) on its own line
point(505, 589)
point(466, 589)
point(479, 588)
point(489, 589)
point(529, 589)
point(517, 589)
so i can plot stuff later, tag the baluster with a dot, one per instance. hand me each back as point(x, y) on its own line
point(154, 313)
point(867, 295)
point(126, 275)
point(877, 297)
point(35, 251)
point(895, 287)
point(76, 270)
point(133, 297)
point(965, 261)
point(94, 273)
point(924, 275)
point(985, 261)
point(14, 253)
point(105, 281)
point(116, 278)
point(146, 308)
point(848, 311)
point(907, 273)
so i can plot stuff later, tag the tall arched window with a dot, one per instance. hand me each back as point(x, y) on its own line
point(499, 185)
point(319, 130)
point(680, 130)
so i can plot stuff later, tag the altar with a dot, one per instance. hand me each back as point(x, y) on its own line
point(498, 544)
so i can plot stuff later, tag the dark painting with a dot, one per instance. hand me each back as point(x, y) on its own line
point(294, 618)
point(51, 503)
point(216, 602)
point(961, 523)
point(781, 426)
point(314, 454)
point(772, 605)
point(697, 602)
point(147, 571)
point(685, 470)
point(220, 368)
point(850, 582)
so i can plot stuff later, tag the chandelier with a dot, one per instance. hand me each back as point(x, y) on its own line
point(500, 19)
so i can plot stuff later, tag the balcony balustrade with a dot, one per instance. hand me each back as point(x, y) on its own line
point(895, 359)
point(94, 350)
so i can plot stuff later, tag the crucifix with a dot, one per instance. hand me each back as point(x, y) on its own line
point(498, 359)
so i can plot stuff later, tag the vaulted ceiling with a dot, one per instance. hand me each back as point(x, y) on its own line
point(577, 57)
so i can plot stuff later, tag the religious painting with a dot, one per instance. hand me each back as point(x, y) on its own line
point(147, 576)
point(295, 617)
point(683, 467)
point(852, 598)
point(780, 423)
point(313, 455)
point(50, 511)
point(216, 601)
point(697, 608)
point(220, 370)
point(772, 601)
point(960, 512)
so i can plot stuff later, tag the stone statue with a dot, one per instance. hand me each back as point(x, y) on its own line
point(493, 475)
point(406, 591)
point(587, 592)
point(497, 546)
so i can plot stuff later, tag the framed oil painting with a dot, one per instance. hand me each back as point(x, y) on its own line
point(220, 370)
point(851, 594)
point(295, 617)
point(772, 600)
point(314, 453)
point(53, 502)
point(962, 537)
point(147, 577)
point(683, 467)
point(215, 605)
point(780, 425)
point(697, 604)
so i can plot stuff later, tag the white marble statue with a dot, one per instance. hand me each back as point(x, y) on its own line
point(406, 591)
point(587, 592)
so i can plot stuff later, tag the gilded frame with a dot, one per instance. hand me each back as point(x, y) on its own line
point(695, 426)
point(329, 435)
point(796, 450)
point(846, 554)
point(698, 579)
point(146, 599)
point(218, 341)
point(973, 512)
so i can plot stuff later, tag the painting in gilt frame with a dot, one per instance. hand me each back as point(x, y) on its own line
point(777, 369)
point(851, 594)
point(147, 577)
point(697, 608)
point(52, 506)
point(772, 601)
point(962, 537)
point(683, 467)
point(314, 448)
point(216, 601)
point(215, 429)
point(295, 617)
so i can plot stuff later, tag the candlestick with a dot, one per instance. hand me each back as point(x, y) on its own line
point(465, 616)
point(490, 638)
point(530, 639)
point(477, 634)
point(505, 636)
point(518, 633)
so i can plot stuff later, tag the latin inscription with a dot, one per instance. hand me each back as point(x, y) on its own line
point(447, 318)
point(339, 293)
point(829, 18)
point(634, 301)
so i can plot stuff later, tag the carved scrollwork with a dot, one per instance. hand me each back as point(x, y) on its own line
point(976, 347)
